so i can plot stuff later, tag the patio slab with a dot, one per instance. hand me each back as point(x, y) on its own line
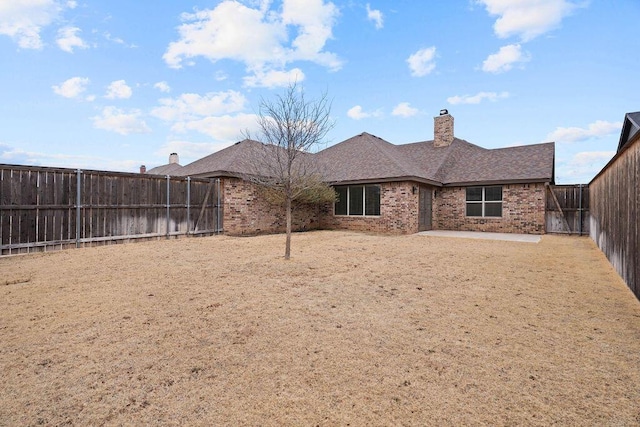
point(510, 237)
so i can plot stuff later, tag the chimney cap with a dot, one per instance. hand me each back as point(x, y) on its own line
point(444, 112)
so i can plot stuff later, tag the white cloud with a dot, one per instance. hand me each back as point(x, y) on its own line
point(191, 106)
point(583, 166)
point(422, 62)
point(23, 20)
point(71, 4)
point(356, 113)
point(119, 121)
point(477, 98)
point(404, 110)
point(71, 88)
point(597, 129)
point(118, 90)
point(221, 128)
point(162, 87)
point(20, 156)
point(504, 60)
point(527, 18)
point(68, 39)
point(375, 16)
point(271, 79)
point(217, 114)
point(257, 37)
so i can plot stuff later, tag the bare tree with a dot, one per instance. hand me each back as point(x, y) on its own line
point(290, 128)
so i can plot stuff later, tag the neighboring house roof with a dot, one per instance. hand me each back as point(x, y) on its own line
point(366, 157)
point(630, 129)
point(628, 136)
point(168, 169)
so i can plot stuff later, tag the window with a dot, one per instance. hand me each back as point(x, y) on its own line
point(484, 201)
point(358, 200)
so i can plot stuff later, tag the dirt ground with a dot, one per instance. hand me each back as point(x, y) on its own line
point(354, 330)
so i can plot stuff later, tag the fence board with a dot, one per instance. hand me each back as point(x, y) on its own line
point(572, 214)
point(616, 213)
point(39, 207)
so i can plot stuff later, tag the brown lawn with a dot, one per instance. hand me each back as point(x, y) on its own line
point(354, 330)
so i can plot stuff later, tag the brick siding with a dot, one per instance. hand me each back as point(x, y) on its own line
point(245, 212)
point(523, 211)
point(398, 212)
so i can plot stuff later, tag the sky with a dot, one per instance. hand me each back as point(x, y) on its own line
point(115, 84)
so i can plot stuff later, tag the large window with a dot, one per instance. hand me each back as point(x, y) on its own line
point(358, 200)
point(484, 201)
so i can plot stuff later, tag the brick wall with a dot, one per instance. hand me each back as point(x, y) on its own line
point(523, 211)
point(398, 213)
point(245, 212)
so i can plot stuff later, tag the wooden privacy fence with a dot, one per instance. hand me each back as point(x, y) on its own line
point(567, 209)
point(45, 208)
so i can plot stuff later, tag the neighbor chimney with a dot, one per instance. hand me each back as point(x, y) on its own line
point(173, 158)
point(143, 169)
point(443, 129)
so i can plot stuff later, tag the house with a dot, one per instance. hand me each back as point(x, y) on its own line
point(446, 183)
point(170, 168)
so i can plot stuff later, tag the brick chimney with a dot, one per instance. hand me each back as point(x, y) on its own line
point(173, 158)
point(443, 129)
point(143, 169)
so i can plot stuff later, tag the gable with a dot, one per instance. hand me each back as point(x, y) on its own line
point(630, 129)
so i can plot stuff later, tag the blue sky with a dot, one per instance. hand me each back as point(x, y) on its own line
point(116, 84)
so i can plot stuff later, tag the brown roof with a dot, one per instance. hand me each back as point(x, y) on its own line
point(246, 157)
point(368, 158)
point(230, 161)
point(168, 169)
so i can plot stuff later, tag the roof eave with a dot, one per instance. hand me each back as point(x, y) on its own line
point(387, 179)
point(498, 182)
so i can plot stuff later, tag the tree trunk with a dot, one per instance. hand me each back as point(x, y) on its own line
point(287, 250)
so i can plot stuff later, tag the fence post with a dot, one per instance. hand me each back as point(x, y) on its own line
point(217, 205)
point(168, 195)
point(580, 210)
point(188, 203)
point(78, 204)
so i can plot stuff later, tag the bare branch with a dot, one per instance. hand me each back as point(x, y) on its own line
point(290, 128)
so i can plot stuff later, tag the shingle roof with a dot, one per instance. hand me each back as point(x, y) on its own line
point(468, 163)
point(630, 129)
point(246, 157)
point(168, 169)
point(368, 158)
point(230, 161)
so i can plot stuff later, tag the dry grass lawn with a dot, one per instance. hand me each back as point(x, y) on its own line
point(354, 330)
